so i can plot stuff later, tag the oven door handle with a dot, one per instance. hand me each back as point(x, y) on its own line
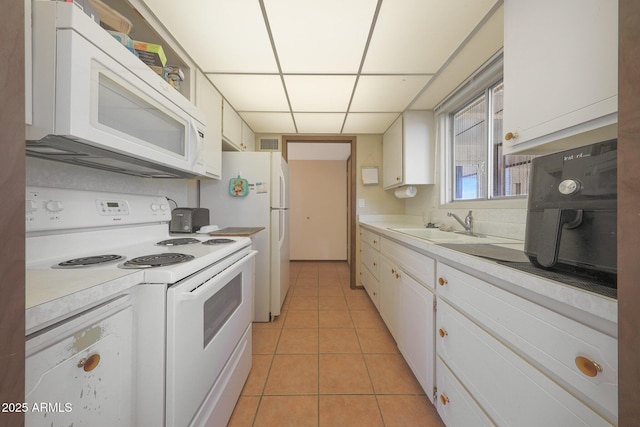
point(207, 285)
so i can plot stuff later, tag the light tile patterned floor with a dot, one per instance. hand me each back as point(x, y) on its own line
point(329, 360)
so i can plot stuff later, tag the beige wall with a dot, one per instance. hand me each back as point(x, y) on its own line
point(376, 200)
point(318, 195)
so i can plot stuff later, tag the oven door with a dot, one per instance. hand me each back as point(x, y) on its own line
point(207, 314)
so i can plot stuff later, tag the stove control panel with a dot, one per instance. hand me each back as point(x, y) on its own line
point(53, 209)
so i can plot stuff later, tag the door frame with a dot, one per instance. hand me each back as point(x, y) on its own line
point(351, 188)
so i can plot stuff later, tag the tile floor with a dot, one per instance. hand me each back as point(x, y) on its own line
point(329, 360)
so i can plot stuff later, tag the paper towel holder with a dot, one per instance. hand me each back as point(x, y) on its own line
point(405, 192)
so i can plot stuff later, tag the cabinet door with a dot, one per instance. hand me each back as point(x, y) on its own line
point(388, 286)
point(392, 155)
point(210, 102)
point(81, 372)
point(508, 388)
point(248, 138)
point(231, 125)
point(415, 319)
point(455, 405)
point(560, 71)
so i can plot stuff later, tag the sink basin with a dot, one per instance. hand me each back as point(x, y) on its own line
point(437, 236)
point(432, 234)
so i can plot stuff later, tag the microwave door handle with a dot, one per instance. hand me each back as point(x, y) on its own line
point(198, 146)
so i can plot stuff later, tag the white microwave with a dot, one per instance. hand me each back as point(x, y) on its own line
point(96, 104)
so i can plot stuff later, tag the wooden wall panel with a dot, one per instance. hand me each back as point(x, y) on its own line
point(12, 171)
point(629, 213)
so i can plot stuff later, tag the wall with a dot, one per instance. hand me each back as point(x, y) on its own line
point(47, 173)
point(377, 201)
point(318, 193)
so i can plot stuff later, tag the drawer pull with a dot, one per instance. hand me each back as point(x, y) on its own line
point(442, 281)
point(374, 264)
point(588, 367)
point(393, 271)
point(444, 399)
point(90, 363)
point(375, 241)
point(443, 333)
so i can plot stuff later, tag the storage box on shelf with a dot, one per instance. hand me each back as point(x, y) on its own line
point(560, 74)
point(535, 355)
point(149, 31)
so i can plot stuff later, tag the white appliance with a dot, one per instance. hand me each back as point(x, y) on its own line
point(96, 104)
point(266, 204)
point(127, 324)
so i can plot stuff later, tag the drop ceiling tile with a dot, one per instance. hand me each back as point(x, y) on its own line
point(484, 44)
point(269, 122)
point(327, 36)
point(220, 35)
point(252, 92)
point(319, 93)
point(418, 36)
point(319, 122)
point(386, 93)
point(364, 123)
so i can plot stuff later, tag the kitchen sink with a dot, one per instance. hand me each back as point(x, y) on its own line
point(438, 236)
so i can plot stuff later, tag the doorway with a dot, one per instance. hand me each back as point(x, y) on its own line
point(349, 162)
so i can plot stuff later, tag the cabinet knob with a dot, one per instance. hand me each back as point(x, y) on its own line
point(444, 399)
point(374, 264)
point(588, 367)
point(510, 135)
point(442, 281)
point(89, 363)
point(397, 276)
point(375, 241)
point(442, 332)
point(397, 178)
point(393, 271)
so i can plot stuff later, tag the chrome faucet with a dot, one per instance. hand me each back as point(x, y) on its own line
point(467, 223)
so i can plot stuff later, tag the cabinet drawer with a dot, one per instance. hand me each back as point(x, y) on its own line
point(508, 388)
point(417, 265)
point(371, 259)
point(370, 284)
point(372, 239)
point(547, 339)
point(455, 405)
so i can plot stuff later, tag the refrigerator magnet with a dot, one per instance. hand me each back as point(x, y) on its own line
point(238, 187)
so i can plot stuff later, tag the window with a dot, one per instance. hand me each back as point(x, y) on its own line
point(480, 170)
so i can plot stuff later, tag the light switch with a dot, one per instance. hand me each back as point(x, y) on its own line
point(361, 203)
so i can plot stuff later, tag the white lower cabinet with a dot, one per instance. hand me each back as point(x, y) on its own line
point(455, 405)
point(415, 324)
point(508, 388)
point(388, 286)
point(370, 283)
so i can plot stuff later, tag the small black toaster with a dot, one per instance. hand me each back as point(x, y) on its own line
point(188, 220)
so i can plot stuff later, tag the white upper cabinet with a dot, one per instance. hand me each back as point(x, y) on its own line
point(408, 150)
point(248, 138)
point(210, 102)
point(231, 126)
point(560, 74)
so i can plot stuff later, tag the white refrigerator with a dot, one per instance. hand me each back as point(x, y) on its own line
point(264, 203)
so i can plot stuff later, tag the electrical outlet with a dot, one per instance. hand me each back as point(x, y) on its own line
point(361, 203)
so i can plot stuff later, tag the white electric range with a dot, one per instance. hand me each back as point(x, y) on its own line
point(181, 305)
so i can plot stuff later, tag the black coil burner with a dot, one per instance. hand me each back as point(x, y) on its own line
point(157, 260)
point(89, 261)
point(217, 241)
point(178, 241)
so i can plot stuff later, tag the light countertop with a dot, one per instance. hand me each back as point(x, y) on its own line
point(597, 311)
